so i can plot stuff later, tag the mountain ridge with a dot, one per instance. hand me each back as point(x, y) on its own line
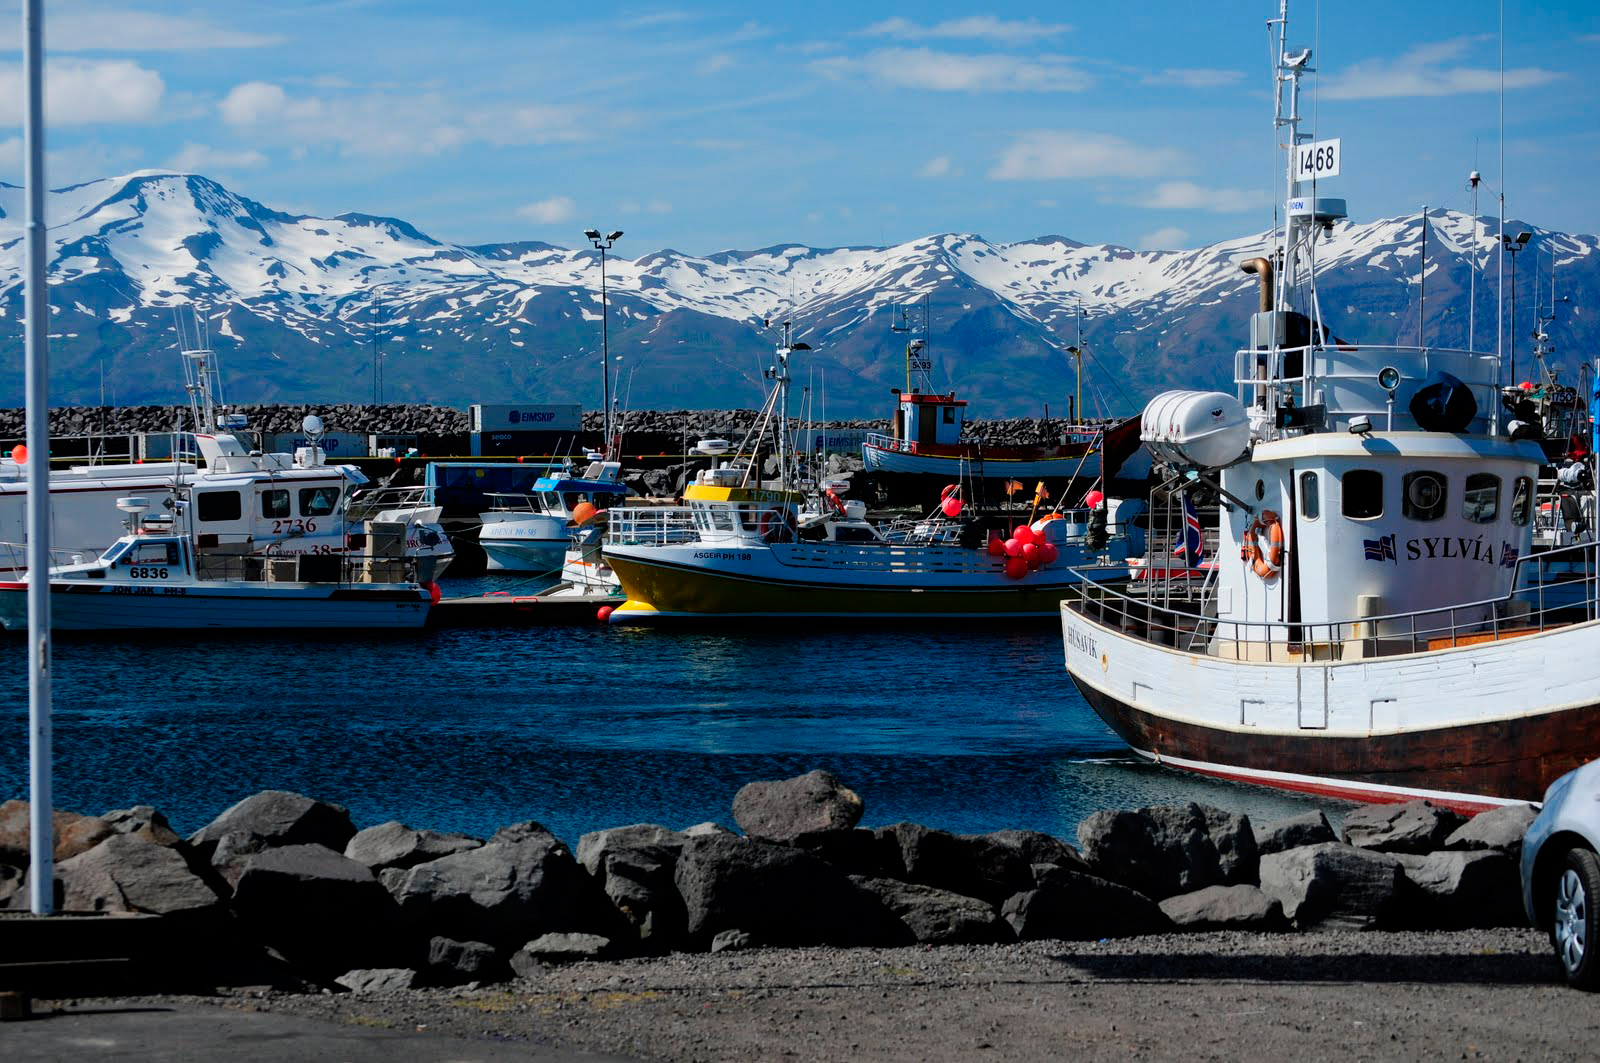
point(306, 308)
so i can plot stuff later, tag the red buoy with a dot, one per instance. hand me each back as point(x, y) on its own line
point(604, 613)
point(1016, 567)
point(434, 593)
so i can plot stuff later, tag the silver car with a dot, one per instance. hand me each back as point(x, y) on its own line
point(1561, 873)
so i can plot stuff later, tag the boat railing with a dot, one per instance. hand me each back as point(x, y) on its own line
point(1344, 377)
point(1551, 589)
point(884, 441)
point(14, 558)
point(503, 502)
point(367, 504)
point(636, 525)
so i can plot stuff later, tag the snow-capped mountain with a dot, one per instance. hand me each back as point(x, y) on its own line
point(299, 308)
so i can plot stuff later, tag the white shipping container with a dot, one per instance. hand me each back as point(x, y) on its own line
point(526, 417)
point(831, 441)
point(335, 445)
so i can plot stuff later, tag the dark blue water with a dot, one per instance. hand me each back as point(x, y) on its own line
point(965, 727)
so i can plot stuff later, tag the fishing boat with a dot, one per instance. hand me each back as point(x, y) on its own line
point(744, 545)
point(288, 503)
point(533, 532)
point(162, 578)
point(928, 437)
point(1373, 627)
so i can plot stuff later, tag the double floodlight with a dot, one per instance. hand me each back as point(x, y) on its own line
point(1519, 242)
point(594, 234)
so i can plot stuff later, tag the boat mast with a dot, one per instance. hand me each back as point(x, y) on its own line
point(41, 889)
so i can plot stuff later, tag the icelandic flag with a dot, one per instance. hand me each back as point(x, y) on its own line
point(1508, 555)
point(1193, 547)
point(1380, 549)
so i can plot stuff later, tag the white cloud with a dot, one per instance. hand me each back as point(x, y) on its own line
point(922, 68)
point(1055, 154)
point(549, 211)
point(1195, 78)
point(973, 27)
point(392, 124)
point(80, 29)
point(11, 155)
point(1424, 71)
point(1186, 195)
point(200, 158)
point(86, 92)
point(714, 64)
point(936, 167)
point(1167, 239)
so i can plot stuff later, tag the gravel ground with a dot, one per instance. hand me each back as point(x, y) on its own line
point(1337, 996)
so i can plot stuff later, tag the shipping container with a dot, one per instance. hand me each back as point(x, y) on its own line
point(525, 417)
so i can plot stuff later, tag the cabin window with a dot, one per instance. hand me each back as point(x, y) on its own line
point(721, 520)
point(701, 522)
point(1310, 496)
point(949, 415)
point(550, 501)
point(318, 501)
point(1363, 494)
point(218, 505)
point(1423, 496)
point(747, 518)
point(1480, 502)
point(152, 554)
point(1521, 500)
point(274, 503)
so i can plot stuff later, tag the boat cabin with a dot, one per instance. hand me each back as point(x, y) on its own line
point(928, 419)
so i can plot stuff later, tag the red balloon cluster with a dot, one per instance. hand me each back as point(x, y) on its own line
point(1025, 551)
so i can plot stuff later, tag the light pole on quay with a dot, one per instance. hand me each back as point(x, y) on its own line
point(602, 245)
point(1513, 246)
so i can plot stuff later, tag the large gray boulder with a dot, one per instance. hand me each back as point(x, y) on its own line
point(279, 818)
point(232, 851)
point(1499, 828)
point(937, 917)
point(143, 822)
point(1414, 827)
point(124, 873)
point(559, 948)
point(778, 894)
point(1312, 828)
point(1037, 847)
point(1070, 905)
point(521, 884)
point(1334, 886)
point(1169, 849)
point(789, 811)
point(323, 911)
point(393, 844)
point(71, 833)
point(857, 852)
point(452, 962)
point(1460, 889)
point(973, 865)
point(641, 885)
point(378, 980)
point(649, 839)
point(1225, 908)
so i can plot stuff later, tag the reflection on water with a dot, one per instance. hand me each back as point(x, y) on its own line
point(966, 727)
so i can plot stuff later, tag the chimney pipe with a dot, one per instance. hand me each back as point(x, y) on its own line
point(1262, 268)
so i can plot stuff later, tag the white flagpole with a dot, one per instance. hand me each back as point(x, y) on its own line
point(42, 868)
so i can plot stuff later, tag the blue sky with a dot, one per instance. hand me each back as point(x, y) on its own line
point(708, 126)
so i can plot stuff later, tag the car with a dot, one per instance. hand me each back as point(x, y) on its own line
point(1561, 873)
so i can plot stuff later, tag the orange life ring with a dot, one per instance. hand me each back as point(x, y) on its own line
point(1268, 564)
point(838, 503)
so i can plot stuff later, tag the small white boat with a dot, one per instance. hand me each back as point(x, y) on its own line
point(160, 580)
point(532, 533)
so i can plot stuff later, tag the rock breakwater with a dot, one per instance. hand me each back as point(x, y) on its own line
point(283, 889)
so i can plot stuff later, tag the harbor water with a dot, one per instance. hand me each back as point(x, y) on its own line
point(970, 727)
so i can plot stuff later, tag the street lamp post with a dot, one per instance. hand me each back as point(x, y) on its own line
point(602, 245)
point(1513, 246)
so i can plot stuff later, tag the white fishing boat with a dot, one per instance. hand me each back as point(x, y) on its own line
point(745, 546)
point(163, 579)
point(1372, 628)
point(533, 532)
point(287, 503)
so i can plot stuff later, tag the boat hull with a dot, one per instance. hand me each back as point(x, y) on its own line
point(1447, 725)
point(527, 555)
point(77, 606)
point(672, 582)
